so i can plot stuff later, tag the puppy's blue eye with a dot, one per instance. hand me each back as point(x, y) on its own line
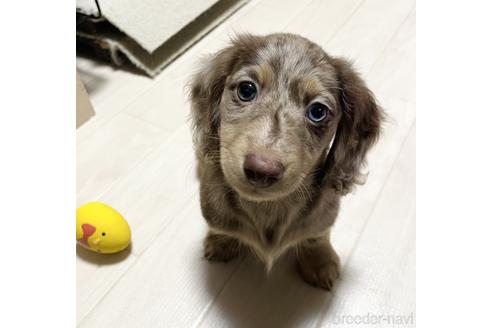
point(246, 91)
point(317, 112)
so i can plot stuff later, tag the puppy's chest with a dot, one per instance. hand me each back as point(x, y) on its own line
point(269, 228)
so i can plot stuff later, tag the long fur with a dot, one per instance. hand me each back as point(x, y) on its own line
point(297, 214)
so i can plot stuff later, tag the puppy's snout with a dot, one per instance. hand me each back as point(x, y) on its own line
point(262, 171)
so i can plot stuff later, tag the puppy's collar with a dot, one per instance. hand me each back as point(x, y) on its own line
point(328, 163)
point(331, 143)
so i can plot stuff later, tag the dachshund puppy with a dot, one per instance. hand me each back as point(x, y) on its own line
point(281, 131)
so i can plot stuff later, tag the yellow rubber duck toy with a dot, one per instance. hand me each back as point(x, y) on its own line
point(102, 229)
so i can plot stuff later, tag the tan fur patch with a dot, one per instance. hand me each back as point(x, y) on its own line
point(265, 74)
point(311, 87)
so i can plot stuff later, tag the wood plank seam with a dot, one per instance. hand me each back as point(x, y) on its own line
point(391, 39)
point(209, 305)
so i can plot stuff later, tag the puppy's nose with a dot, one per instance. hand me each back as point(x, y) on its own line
point(262, 171)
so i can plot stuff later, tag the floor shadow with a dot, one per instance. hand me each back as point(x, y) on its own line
point(253, 298)
point(102, 259)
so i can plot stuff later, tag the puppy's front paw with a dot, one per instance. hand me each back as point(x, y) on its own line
point(319, 265)
point(323, 276)
point(220, 248)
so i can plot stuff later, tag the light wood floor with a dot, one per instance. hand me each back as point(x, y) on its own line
point(136, 155)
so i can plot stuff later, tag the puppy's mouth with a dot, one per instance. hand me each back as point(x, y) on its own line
point(258, 194)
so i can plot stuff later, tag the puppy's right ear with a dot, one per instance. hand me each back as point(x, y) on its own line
point(207, 86)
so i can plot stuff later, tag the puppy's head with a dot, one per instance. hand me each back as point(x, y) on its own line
point(267, 109)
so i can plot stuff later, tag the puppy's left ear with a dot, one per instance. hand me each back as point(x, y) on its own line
point(357, 132)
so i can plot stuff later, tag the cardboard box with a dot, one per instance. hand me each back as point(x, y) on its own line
point(84, 107)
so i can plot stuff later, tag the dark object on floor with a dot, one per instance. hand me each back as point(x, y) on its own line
point(97, 36)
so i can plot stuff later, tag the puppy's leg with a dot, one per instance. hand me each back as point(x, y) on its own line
point(318, 263)
point(219, 247)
